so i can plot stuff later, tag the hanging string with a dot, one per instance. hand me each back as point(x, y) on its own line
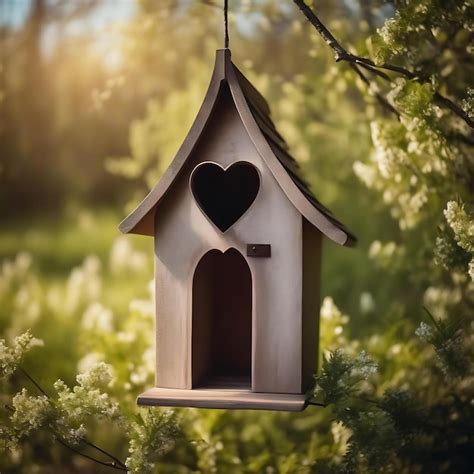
point(226, 24)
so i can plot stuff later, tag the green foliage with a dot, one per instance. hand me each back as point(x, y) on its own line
point(68, 415)
point(415, 28)
point(153, 435)
point(340, 375)
point(396, 430)
point(402, 181)
point(448, 339)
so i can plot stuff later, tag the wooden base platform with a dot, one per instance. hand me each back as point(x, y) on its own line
point(222, 398)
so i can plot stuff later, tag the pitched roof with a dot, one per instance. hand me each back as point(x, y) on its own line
point(255, 114)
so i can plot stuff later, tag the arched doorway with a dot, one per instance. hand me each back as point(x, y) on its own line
point(222, 321)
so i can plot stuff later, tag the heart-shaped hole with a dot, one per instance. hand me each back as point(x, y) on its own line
point(225, 194)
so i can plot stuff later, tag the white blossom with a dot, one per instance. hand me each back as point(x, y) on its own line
point(424, 332)
point(30, 412)
point(84, 284)
point(365, 173)
point(98, 376)
point(97, 317)
point(462, 225)
point(364, 366)
point(10, 357)
point(366, 302)
point(329, 309)
point(87, 398)
point(89, 360)
point(124, 258)
point(385, 253)
point(442, 298)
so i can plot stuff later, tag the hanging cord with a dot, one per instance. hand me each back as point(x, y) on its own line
point(226, 24)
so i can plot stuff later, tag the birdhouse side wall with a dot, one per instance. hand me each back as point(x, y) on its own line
point(183, 235)
point(312, 246)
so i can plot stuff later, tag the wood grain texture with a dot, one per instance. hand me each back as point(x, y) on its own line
point(226, 399)
point(184, 235)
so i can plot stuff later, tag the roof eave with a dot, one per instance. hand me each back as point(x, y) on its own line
point(313, 215)
point(139, 220)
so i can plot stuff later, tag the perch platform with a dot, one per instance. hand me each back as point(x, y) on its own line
point(222, 398)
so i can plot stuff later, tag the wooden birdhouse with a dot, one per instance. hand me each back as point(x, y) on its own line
point(237, 237)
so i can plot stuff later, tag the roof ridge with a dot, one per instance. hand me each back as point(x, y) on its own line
point(255, 115)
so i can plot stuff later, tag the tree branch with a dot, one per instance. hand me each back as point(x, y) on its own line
point(341, 54)
point(111, 456)
point(119, 466)
point(113, 465)
point(116, 463)
point(373, 70)
point(380, 98)
point(34, 382)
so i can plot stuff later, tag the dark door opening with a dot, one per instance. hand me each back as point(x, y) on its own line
point(222, 321)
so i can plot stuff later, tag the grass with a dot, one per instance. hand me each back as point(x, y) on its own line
point(57, 244)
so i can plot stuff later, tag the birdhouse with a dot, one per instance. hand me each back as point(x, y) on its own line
point(237, 242)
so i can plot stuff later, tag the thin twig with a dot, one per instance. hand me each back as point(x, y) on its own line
point(327, 36)
point(115, 465)
point(90, 458)
point(111, 456)
point(455, 108)
point(116, 462)
point(371, 69)
point(381, 99)
point(433, 320)
point(341, 54)
point(34, 382)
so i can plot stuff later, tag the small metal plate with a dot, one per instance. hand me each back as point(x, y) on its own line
point(259, 250)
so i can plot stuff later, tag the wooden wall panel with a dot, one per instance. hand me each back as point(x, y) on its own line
point(312, 243)
point(185, 235)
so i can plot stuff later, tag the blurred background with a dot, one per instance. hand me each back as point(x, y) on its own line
point(95, 98)
point(98, 95)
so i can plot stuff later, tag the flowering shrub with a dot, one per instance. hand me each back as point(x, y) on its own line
point(10, 357)
point(405, 408)
point(66, 416)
